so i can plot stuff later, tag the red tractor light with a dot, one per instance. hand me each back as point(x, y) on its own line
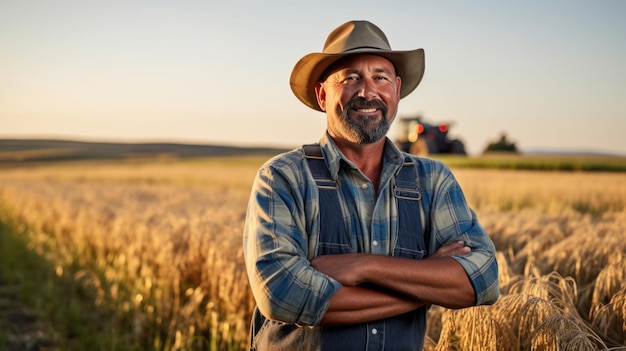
point(443, 127)
point(419, 128)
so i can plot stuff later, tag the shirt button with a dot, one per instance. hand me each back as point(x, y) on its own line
point(364, 186)
point(375, 243)
point(374, 331)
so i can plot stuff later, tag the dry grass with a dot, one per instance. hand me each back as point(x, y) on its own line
point(160, 244)
point(548, 192)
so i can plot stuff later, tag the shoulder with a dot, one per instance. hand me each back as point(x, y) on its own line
point(289, 164)
point(434, 176)
point(289, 159)
point(428, 167)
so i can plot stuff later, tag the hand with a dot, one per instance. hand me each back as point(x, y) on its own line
point(342, 267)
point(455, 248)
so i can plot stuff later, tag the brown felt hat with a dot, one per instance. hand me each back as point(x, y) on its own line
point(354, 37)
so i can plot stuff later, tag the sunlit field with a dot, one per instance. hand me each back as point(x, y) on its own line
point(159, 246)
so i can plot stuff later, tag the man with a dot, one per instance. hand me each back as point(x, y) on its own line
point(348, 242)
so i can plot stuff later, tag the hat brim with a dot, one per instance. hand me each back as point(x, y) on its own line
point(308, 71)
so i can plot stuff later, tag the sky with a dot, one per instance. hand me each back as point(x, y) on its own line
point(549, 74)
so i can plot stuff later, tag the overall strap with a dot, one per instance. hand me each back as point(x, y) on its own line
point(317, 165)
point(331, 214)
point(410, 197)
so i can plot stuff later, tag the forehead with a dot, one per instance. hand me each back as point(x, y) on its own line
point(361, 61)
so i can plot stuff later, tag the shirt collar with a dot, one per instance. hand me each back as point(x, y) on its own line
point(334, 157)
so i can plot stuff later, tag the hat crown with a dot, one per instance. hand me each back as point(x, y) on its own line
point(354, 35)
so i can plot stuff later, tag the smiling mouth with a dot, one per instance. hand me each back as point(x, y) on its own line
point(366, 110)
point(361, 106)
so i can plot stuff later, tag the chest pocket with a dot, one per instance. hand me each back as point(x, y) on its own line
point(333, 238)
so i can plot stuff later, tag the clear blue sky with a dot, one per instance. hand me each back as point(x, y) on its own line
point(551, 74)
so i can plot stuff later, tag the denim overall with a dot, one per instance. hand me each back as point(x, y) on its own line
point(403, 332)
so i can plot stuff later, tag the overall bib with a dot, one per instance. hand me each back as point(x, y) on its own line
point(403, 332)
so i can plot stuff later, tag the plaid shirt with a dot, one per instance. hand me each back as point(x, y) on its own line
point(282, 227)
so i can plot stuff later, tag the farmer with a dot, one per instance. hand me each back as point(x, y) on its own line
point(347, 242)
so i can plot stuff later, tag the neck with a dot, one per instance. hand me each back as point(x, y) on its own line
point(367, 158)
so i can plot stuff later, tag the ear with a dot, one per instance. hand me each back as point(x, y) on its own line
point(398, 87)
point(320, 93)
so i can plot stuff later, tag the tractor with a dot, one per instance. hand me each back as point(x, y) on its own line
point(421, 138)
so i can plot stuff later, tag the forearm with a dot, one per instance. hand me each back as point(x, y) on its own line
point(356, 304)
point(440, 281)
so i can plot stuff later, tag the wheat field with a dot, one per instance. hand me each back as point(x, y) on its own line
point(159, 244)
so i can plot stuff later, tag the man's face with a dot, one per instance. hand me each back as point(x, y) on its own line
point(360, 96)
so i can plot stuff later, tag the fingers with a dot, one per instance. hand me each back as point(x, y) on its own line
point(455, 248)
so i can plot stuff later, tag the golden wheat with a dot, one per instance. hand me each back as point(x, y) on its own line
point(608, 312)
point(170, 254)
point(548, 192)
point(160, 244)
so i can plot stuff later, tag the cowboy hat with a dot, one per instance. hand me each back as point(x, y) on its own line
point(354, 37)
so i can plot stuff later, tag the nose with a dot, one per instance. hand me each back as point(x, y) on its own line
point(368, 89)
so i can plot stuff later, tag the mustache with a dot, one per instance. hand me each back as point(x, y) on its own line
point(362, 103)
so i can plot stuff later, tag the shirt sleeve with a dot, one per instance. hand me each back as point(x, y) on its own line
point(453, 220)
point(285, 286)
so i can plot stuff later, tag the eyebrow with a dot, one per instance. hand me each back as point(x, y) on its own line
point(384, 70)
point(376, 70)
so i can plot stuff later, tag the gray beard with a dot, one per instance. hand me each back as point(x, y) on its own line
point(361, 128)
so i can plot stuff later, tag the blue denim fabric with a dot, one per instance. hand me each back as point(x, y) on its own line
point(404, 332)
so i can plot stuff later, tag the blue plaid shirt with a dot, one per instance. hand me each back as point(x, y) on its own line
point(282, 226)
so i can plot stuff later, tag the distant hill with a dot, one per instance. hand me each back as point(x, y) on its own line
point(570, 152)
point(24, 150)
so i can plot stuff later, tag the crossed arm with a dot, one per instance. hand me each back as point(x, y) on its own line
point(377, 286)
